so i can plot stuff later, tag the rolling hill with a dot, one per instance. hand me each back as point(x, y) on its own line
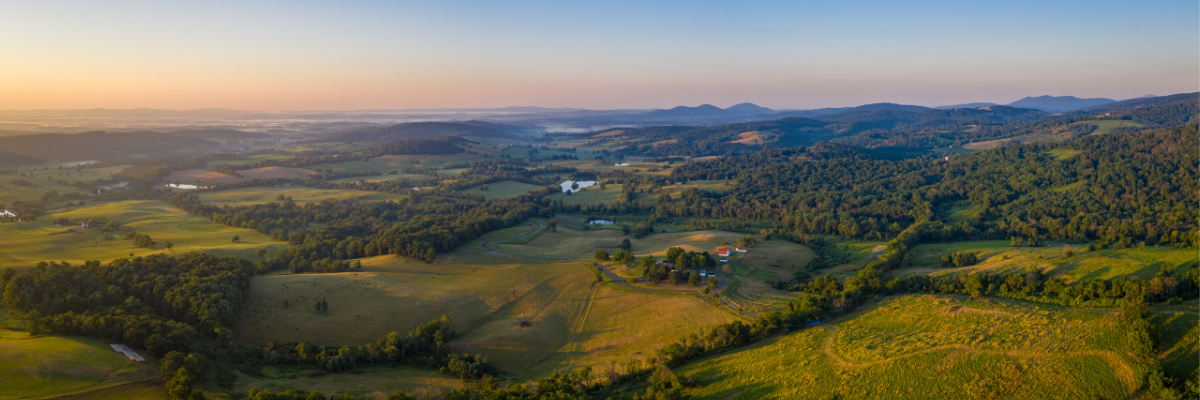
point(100, 146)
point(415, 130)
point(1059, 103)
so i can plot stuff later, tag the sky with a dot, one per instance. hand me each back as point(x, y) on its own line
point(359, 55)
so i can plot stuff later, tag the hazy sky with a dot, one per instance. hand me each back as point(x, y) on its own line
point(299, 55)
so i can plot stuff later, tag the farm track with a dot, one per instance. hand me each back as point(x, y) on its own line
point(1124, 372)
point(604, 268)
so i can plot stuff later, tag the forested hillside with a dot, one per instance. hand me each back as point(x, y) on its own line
point(1114, 188)
point(99, 146)
point(413, 130)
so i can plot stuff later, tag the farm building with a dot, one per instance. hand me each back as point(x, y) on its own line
point(723, 252)
point(741, 250)
point(669, 264)
point(7, 213)
point(128, 352)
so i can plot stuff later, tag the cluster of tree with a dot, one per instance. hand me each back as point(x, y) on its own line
point(321, 305)
point(424, 346)
point(354, 230)
point(226, 169)
point(679, 265)
point(158, 302)
point(141, 240)
point(959, 259)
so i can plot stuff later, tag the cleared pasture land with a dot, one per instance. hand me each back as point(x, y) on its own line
point(10, 192)
point(45, 366)
point(503, 189)
point(996, 256)
point(26, 243)
point(929, 347)
point(206, 176)
point(299, 194)
point(1107, 125)
point(573, 322)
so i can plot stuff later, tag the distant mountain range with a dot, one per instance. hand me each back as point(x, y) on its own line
point(1051, 104)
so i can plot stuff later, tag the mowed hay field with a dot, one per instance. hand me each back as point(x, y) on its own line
point(573, 322)
point(996, 256)
point(503, 189)
point(299, 194)
point(46, 366)
point(931, 347)
point(26, 243)
point(206, 176)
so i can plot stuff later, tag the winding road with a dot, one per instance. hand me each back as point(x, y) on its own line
point(604, 268)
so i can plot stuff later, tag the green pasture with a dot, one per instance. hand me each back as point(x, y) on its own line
point(364, 381)
point(573, 320)
point(1107, 125)
point(997, 257)
point(26, 243)
point(503, 189)
point(299, 194)
point(49, 366)
point(930, 347)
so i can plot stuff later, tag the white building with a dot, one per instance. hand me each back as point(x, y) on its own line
point(7, 213)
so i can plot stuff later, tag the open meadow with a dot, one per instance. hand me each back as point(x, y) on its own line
point(503, 189)
point(997, 257)
point(928, 347)
point(572, 320)
point(299, 194)
point(26, 243)
point(51, 366)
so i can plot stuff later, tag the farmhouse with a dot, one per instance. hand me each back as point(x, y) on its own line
point(741, 250)
point(7, 213)
point(668, 264)
point(723, 252)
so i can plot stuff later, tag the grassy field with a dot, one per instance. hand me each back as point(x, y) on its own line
point(593, 194)
point(364, 381)
point(45, 366)
point(381, 178)
point(928, 347)
point(573, 322)
point(750, 273)
point(997, 257)
point(10, 193)
point(503, 189)
point(26, 243)
point(299, 194)
point(1107, 125)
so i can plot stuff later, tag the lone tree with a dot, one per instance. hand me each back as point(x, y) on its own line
point(322, 305)
point(236, 238)
point(626, 245)
point(552, 226)
point(602, 255)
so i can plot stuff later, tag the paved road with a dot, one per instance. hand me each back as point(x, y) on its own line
point(604, 268)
